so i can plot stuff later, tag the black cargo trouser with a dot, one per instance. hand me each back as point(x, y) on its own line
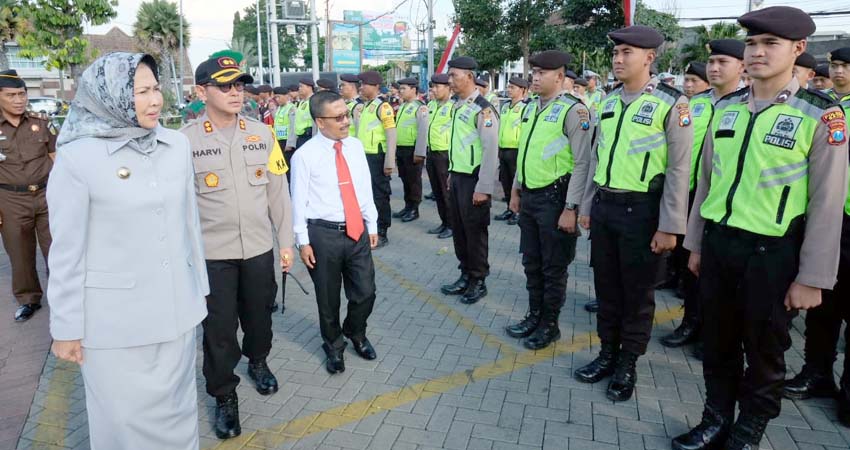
point(470, 226)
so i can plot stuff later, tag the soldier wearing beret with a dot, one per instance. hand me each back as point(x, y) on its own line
point(635, 203)
point(375, 124)
point(473, 168)
point(821, 80)
point(302, 126)
point(580, 90)
point(482, 83)
point(439, 140)
point(250, 107)
point(326, 85)
point(764, 229)
point(569, 81)
point(804, 69)
point(509, 130)
point(696, 80)
point(27, 149)
point(412, 130)
point(552, 163)
point(349, 85)
point(823, 324)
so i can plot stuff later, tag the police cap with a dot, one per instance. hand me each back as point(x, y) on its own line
point(550, 59)
point(822, 70)
point(464, 62)
point(410, 81)
point(222, 70)
point(440, 78)
point(806, 60)
point(349, 78)
point(728, 47)
point(840, 54)
point(637, 36)
point(784, 21)
point(371, 77)
point(326, 84)
point(519, 81)
point(10, 79)
point(698, 69)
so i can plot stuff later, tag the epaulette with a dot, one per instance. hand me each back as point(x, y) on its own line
point(482, 102)
point(670, 90)
point(252, 119)
point(37, 115)
point(705, 93)
point(816, 98)
point(735, 97)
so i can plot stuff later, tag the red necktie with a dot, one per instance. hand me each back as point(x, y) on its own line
point(353, 218)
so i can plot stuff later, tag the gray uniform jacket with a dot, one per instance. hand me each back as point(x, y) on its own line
point(238, 194)
point(127, 260)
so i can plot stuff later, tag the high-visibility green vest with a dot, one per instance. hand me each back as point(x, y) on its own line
point(594, 99)
point(371, 130)
point(632, 146)
point(760, 169)
point(281, 122)
point(352, 131)
point(702, 110)
point(492, 98)
point(406, 123)
point(465, 151)
point(303, 120)
point(439, 125)
point(544, 153)
point(510, 120)
point(845, 105)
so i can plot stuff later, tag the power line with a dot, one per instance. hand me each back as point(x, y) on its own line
point(812, 14)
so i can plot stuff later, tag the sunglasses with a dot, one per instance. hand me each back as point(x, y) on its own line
point(339, 119)
point(226, 88)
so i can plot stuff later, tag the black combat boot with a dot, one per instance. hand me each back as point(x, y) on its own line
point(263, 377)
point(545, 334)
point(592, 306)
point(622, 384)
point(810, 382)
point(505, 215)
point(383, 241)
point(227, 416)
point(600, 367)
point(458, 287)
point(526, 326)
point(747, 432)
point(844, 398)
point(711, 433)
point(683, 334)
point(476, 290)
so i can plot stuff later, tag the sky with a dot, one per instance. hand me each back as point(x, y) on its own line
point(212, 20)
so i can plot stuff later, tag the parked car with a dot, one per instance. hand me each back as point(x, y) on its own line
point(47, 105)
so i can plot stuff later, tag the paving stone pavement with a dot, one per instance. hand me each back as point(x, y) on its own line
point(447, 376)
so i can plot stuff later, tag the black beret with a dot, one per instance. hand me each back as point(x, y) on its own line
point(371, 77)
point(395, 84)
point(806, 60)
point(728, 47)
point(550, 59)
point(326, 84)
point(251, 89)
point(10, 79)
point(410, 81)
point(464, 62)
point(519, 81)
point(481, 81)
point(265, 89)
point(280, 90)
point(349, 78)
point(784, 21)
point(223, 70)
point(822, 70)
point(307, 81)
point(581, 82)
point(440, 78)
point(292, 88)
point(698, 69)
point(571, 75)
point(839, 54)
point(637, 36)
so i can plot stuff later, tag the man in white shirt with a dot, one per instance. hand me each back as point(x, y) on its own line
point(335, 224)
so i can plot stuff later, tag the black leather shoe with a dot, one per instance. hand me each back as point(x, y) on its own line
point(622, 384)
point(844, 407)
point(746, 433)
point(411, 215)
point(438, 229)
point(227, 416)
point(547, 333)
point(474, 292)
point(504, 216)
point(274, 307)
point(430, 196)
point(698, 351)
point(456, 288)
point(382, 240)
point(524, 327)
point(364, 348)
point(810, 382)
point(401, 213)
point(513, 220)
point(683, 334)
point(336, 360)
point(263, 377)
point(447, 233)
point(592, 306)
point(711, 433)
point(600, 367)
point(25, 312)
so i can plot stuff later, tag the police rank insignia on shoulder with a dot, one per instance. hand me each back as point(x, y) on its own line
point(488, 121)
point(837, 126)
point(242, 125)
point(208, 126)
point(684, 114)
point(211, 180)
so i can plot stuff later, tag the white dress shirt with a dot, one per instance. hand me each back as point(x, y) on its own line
point(315, 185)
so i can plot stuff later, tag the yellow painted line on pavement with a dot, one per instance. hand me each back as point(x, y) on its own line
point(50, 429)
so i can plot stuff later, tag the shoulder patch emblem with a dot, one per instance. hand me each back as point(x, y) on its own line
point(423, 109)
point(488, 121)
point(584, 118)
point(684, 114)
point(832, 115)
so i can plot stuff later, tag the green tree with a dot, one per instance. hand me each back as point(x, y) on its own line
point(157, 31)
point(248, 49)
point(245, 30)
point(484, 35)
point(522, 19)
point(57, 31)
point(308, 54)
point(697, 50)
point(12, 24)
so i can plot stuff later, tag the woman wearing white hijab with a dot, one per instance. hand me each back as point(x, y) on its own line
point(127, 274)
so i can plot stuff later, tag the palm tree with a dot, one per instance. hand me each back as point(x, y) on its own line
point(698, 51)
point(157, 31)
point(12, 23)
point(247, 48)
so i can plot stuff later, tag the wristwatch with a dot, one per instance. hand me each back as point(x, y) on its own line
point(570, 206)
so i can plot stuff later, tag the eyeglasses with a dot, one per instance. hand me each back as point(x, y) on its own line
point(225, 88)
point(339, 119)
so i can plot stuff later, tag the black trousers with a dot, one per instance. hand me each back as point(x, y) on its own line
point(340, 261)
point(507, 169)
point(241, 293)
point(624, 268)
point(546, 250)
point(411, 176)
point(287, 156)
point(823, 324)
point(470, 226)
point(437, 166)
point(687, 278)
point(743, 281)
point(303, 138)
point(381, 190)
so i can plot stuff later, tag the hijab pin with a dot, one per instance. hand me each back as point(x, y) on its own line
point(123, 173)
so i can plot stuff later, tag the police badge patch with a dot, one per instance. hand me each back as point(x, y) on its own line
point(783, 131)
point(698, 109)
point(645, 113)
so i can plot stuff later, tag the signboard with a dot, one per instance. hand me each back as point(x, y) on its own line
point(384, 36)
point(345, 47)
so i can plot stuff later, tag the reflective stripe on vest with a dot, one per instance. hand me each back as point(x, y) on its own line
point(406, 123)
point(465, 151)
point(632, 148)
point(440, 126)
point(544, 153)
point(303, 120)
point(702, 110)
point(281, 122)
point(509, 125)
point(371, 130)
point(760, 183)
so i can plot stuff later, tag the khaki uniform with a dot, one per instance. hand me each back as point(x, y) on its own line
point(23, 207)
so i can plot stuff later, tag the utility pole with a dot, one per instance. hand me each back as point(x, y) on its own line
point(327, 35)
point(273, 44)
point(180, 95)
point(259, 45)
point(314, 38)
point(430, 38)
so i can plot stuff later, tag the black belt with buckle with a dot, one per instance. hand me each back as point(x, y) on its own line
point(338, 226)
point(24, 188)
